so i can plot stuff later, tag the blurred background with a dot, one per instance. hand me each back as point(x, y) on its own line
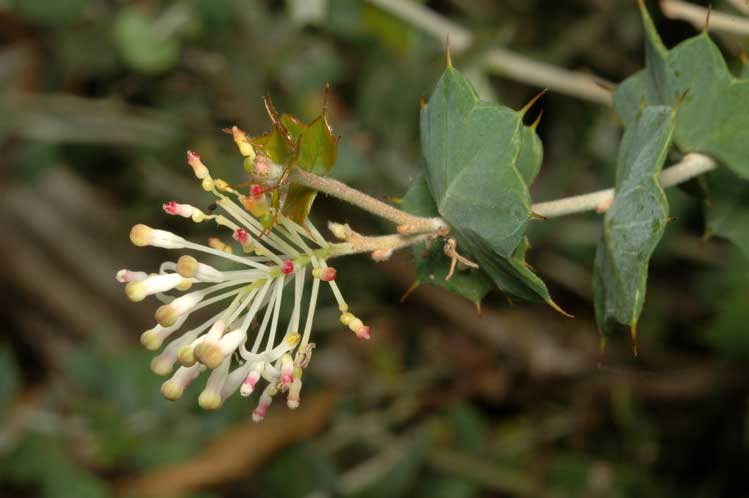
point(99, 99)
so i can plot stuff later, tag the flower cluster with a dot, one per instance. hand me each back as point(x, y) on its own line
point(269, 260)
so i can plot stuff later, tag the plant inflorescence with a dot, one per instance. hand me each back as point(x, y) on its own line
point(466, 218)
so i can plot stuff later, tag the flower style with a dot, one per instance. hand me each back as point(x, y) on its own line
point(286, 254)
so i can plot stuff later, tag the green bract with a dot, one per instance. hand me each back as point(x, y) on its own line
point(310, 146)
point(634, 223)
point(479, 160)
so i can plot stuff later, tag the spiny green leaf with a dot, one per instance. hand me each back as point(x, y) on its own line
point(727, 210)
point(634, 223)
point(433, 265)
point(714, 116)
point(480, 159)
point(512, 275)
point(470, 149)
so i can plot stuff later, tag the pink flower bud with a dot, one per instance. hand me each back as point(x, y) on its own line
point(124, 276)
point(241, 236)
point(170, 207)
point(294, 396)
point(287, 370)
point(325, 274)
point(174, 208)
point(259, 414)
point(287, 266)
point(265, 400)
point(252, 378)
point(364, 332)
point(200, 170)
point(256, 190)
point(249, 384)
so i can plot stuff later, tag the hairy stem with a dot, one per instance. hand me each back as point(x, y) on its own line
point(690, 166)
point(407, 223)
point(358, 244)
point(498, 60)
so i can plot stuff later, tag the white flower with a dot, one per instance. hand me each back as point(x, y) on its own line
point(243, 343)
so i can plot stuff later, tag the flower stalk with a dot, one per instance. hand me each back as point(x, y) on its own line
point(407, 223)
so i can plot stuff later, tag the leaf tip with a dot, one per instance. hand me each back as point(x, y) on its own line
point(270, 108)
point(535, 123)
point(422, 102)
point(558, 309)
point(681, 99)
point(644, 13)
point(633, 335)
point(743, 57)
point(532, 101)
point(408, 292)
point(707, 18)
point(477, 304)
point(537, 216)
point(448, 53)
